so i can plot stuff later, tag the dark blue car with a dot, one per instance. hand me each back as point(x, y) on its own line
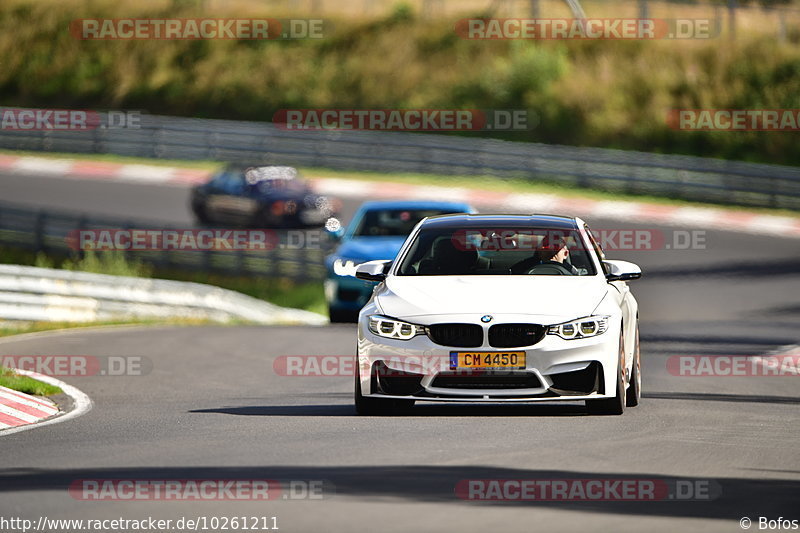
point(266, 196)
point(377, 231)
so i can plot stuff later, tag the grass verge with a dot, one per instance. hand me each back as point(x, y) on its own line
point(612, 93)
point(14, 381)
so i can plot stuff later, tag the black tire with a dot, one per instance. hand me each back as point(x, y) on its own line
point(372, 406)
point(634, 395)
point(201, 214)
point(615, 405)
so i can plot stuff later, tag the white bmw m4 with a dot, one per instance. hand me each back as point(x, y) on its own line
point(499, 308)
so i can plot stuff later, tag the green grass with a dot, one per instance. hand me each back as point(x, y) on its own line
point(607, 93)
point(112, 262)
point(14, 381)
point(279, 291)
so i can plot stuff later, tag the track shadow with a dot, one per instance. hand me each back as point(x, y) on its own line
point(735, 398)
point(730, 497)
point(283, 410)
point(719, 339)
point(419, 410)
point(742, 269)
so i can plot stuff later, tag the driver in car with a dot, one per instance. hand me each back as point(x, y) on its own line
point(553, 251)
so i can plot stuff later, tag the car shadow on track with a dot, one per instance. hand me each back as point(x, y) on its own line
point(725, 498)
point(423, 410)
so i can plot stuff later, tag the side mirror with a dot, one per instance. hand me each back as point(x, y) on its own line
point(373, 270)
point(622, 271)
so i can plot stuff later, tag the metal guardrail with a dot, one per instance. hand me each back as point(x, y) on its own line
point(686, 177)
point(31, 293)
point(48, 231)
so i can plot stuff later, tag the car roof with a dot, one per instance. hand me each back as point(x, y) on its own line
point(414, 204)
point(241, 167)
point(498, 221)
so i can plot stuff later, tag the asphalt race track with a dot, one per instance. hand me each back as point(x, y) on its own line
point(212, 407)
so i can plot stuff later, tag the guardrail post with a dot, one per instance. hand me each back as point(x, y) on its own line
point(534, 9)
point(732, 19)
point(80, 225)
point(781, 25)
point(39, 230)
point(207, 260)
point(239, 262)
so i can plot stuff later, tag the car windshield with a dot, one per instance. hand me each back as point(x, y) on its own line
point(392, 222)
point(237, 181)
point(274, 185)
point(497, 251)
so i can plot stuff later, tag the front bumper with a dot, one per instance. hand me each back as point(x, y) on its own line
point(555, 369)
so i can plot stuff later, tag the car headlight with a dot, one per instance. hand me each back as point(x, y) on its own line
point(391, 328)
point(581, 328)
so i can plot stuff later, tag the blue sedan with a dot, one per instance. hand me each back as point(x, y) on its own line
point(266, 197)
point(377, 231)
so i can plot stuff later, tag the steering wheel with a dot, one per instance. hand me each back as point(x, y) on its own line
point(550, 269)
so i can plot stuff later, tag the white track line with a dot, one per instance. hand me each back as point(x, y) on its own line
point(29, 401)
point(83, 404)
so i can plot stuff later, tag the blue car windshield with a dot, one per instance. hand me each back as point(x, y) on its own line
point(392, 222)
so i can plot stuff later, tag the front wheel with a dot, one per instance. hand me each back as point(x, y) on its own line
point(634, 395)
point(615, 405)
point(201, 213)
point(366, 406)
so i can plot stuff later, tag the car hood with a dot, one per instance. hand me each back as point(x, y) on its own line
point(558, 298)
point(370, 248)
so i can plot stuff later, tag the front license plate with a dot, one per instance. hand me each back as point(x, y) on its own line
point(487, 360)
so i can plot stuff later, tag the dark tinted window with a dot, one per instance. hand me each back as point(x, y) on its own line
point(229, 182)
point(494, 251)
point(392, 222)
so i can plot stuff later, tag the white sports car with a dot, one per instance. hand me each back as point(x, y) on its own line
point(499, 308)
